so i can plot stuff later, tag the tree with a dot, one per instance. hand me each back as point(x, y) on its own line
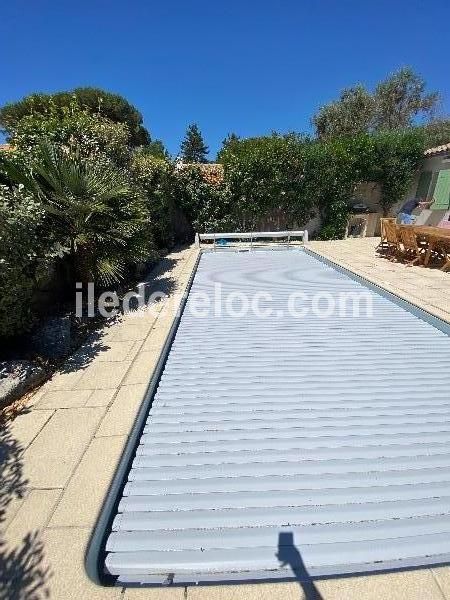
point(436, 132)
point(400, 99)
point(156, 149)
point(207, 206)
point(396, 103)
point(396, 157)
point(266, 175)
point(231, 140)
point(351, 114)
point(193, 148)
point(112, 106)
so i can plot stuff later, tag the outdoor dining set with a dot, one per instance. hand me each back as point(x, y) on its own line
point(415, 244)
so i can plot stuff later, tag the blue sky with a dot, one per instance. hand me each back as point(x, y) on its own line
point(248, 67)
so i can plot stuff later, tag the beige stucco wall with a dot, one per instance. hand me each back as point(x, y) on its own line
point(368, 193)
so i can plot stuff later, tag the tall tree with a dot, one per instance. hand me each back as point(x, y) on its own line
point(227, 143)
point(109, 105)
point(352, 113)
point(193, 148)
point(155, 148)
point(401, 98)
point(436, 132)
point(396, 103)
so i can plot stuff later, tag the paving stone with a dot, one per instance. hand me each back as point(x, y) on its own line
point(260, 591)
point(146, 315)
point(64, 557)
point(115, 351)
point(142, 368)
point(93, 474)
point(101, 397)
point(400, 585)
point(64, 399)
point(171, 593)
point(10, 507)
point(34, 396)
point(103, 375)
point(53, 455)
point(26, 426)
point(130, 331)
point(64, 381)
point(442, 576)
point(33, 514)
point(157, 336)
point(122, 413)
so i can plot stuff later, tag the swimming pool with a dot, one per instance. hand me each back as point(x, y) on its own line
point(304, 441)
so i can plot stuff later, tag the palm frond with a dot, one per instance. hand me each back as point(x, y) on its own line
point(110, 271)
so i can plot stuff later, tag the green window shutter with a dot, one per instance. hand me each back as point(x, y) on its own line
point(423, 185)
point(441, 194)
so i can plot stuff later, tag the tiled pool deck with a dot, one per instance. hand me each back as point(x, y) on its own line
point(59, 455)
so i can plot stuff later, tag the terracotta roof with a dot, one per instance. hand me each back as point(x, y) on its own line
point(437, 150)
point(211, 172)
point(5, 147)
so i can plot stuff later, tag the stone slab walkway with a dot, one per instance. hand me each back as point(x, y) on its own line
point(59, 455)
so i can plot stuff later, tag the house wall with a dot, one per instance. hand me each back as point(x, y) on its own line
point(433, 164)
point(369, 193)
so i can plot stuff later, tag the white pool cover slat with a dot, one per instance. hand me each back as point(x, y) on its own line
point(290, 444)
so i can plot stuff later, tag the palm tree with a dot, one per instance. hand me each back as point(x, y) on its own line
point(90, 207)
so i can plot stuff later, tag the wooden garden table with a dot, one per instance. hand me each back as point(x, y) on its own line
point(436, 237)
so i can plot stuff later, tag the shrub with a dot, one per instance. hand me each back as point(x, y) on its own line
point(301, 177)
point(152, 176)
point(332, 176)
point(92, 136)
point(25, 256)
point(90, 208)
point(207, 205)
point(396, 157)
point(266, 174)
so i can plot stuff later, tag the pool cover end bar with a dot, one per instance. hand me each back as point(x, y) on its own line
point(250, 235)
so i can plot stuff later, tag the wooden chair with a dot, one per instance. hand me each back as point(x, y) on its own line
point(410, 249)
point(444, 248)
point(384, 243)
point(391, 245)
